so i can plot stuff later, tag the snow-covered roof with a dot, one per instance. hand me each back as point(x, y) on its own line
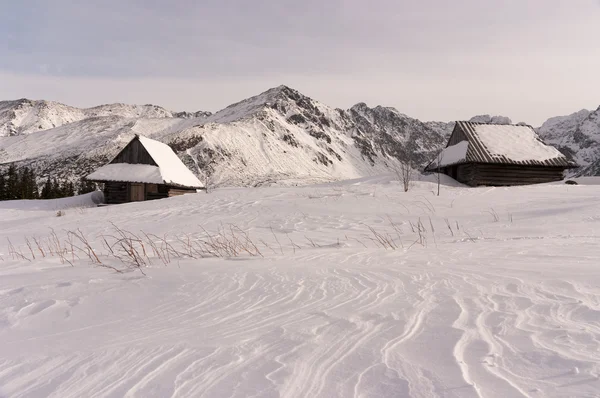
point(169, 169)
point(516, 143)
point(128, 172)
point(451, 155)
point(498, 143)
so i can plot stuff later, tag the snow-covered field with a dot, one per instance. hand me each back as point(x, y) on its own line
point(499, 296)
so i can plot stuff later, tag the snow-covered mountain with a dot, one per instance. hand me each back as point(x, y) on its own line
point(282, 135)
point(26, 116)
point(577, 136)
point(397, 135)
point(491, 119)
point(278, 136)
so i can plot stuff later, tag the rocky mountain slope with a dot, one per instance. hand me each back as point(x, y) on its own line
point(577, 136)
point(279, 136)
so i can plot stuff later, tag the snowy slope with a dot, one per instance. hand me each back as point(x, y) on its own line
point(278, 136)
point(500, 298)
point(284, 136)
point(128, 111)
point(76, 149)
point(26, 116)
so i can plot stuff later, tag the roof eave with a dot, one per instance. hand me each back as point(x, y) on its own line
point(107, 180)
point(173, 185)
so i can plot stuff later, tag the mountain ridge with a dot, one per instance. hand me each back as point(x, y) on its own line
point(577, 136)
point(24, 116)
point(278, 136)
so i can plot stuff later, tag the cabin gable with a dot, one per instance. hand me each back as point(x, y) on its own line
point(457, 136)
point(134, 153)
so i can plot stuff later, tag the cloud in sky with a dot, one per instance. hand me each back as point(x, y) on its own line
point(432, 59)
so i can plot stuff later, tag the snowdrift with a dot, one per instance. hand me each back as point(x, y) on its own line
point(91, 199)
point(353, 289)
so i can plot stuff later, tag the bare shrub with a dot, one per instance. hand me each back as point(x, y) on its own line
point(382, 240)
point(404, 172)
point(397, 229)
point(15, 253)
point(449, 226)
point(495, 216)
point(421, 232)
point(439, 159)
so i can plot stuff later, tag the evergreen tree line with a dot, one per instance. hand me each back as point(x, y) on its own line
point(22, 184)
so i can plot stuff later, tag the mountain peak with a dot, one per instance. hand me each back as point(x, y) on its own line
point(278, 98)
point(360, 107)
point(363, 109)
point(491, 119)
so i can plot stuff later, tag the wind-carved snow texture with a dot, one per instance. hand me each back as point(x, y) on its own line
point(503, 300)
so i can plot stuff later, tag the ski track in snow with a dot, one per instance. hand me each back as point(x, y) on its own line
point(508, 314)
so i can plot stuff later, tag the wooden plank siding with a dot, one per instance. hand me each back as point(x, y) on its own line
point(121, 192)
point(475, 174)
point(116, 192)
point(134, 153)
point(180, 191)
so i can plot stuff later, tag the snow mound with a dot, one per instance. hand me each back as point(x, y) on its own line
point(587, 180)
point(91, 199)
point(360, 290)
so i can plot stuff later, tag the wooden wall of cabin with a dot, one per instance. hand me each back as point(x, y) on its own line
point(121, 192)
point(116, 192)
point(475, 174)
point(156, 191)
point(465, 173)
point(134, 153)
point(180, 191)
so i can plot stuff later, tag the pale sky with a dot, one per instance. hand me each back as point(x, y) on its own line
point(431, 59)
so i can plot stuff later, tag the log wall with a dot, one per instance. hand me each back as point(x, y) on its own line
point(120, 192)
point(180, 191)
point(116, 192)
point(475, 174)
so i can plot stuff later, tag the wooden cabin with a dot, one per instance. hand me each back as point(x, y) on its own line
point(499, 155)
point(145, 170)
